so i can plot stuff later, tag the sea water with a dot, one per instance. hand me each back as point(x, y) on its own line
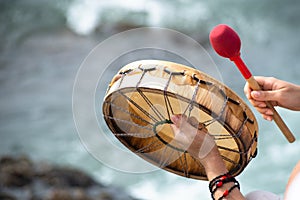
point(43, 44)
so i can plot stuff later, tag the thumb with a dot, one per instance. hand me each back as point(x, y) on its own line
point(264, 95)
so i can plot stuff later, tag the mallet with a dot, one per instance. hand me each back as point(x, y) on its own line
point(227, 43)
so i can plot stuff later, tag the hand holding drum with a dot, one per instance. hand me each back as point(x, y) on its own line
point(227, 44)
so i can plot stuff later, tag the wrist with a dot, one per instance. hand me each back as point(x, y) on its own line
point(214, 164)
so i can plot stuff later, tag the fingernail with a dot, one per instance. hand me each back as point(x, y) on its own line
point(269, 112)
point(269, 119)
point(262, 105)
point(174, 118)
point(256, 94)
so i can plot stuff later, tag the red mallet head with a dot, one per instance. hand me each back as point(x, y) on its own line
point(225, 41)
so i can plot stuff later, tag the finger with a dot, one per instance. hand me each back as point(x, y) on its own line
point(265, 111)
point(266, 83)
point(265, 95)
point(178, 119)
point(175, 119)
point(179, 135)
point(184, 133)
point(181, 123)
point(260, 104)
point(247, 90)
point(180, 139)
point(193, 121)
point(267, 117)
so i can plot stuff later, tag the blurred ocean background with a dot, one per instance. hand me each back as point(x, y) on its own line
point(43, 44)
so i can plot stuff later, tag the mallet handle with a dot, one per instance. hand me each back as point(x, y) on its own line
point(278, 120)
point(255, 86)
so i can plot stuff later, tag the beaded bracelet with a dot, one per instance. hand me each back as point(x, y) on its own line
point(219, 181)
point(220, 178)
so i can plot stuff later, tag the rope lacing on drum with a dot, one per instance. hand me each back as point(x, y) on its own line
point(154, 109)
point(123, 74)
point(166, 97)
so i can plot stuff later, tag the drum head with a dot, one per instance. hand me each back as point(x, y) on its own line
point(144, 95)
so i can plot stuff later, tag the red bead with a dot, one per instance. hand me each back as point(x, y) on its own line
point(223, 178)
point(219, 184)
point(225, 194)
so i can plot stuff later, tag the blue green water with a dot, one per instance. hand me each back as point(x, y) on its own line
point(43, 44)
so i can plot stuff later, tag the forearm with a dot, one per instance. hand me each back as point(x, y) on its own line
point(214, 167)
